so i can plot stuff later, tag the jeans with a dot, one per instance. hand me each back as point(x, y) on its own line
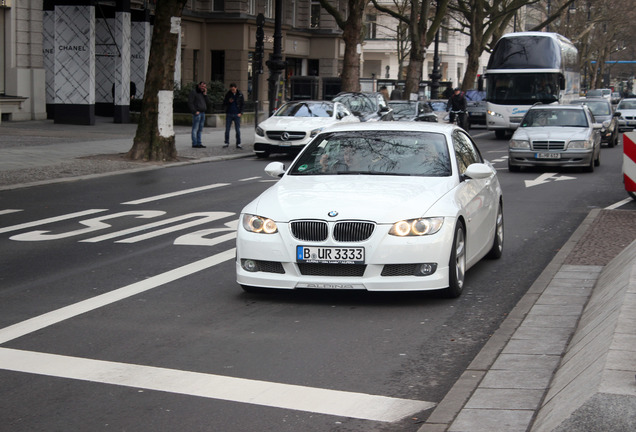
point(198, 120)
point(229, 118)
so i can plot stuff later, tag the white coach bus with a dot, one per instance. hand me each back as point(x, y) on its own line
point(526, 68)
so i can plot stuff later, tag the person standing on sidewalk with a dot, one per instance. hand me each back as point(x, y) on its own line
point(233, 104)
point(198, 105)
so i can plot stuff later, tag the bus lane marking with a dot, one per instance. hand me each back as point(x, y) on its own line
point(50, 220)
point(270, 394)
point(8, 211)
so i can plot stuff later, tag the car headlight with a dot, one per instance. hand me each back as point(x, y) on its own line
point(315, 132)
point(259, 131)
point(494, 114)
point(259, 224)
point(417, 227)
point(580, 144)
point(519, 144)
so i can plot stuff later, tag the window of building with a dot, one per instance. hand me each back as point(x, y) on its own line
point(269, 9)
point(370, 27)
point(251, 7)
point(218, 5)
point(218, 65)
point(313, 67)
point(315, 14)
point(443, 34)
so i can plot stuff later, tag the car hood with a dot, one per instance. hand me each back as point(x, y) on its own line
point(627, 112)
point(551, 133)
point(383, 199)
point(296, 123)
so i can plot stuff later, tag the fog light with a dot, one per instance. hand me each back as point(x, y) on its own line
point(425, 269)
point(249, 265)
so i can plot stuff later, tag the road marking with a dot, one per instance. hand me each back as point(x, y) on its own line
point(37, 323)
point(546, 178)
point(201, 218)
point(7, 211)
point(249, 178)
point(50, 220)
point(173, 194)
point(618, 204)
point(286, 396)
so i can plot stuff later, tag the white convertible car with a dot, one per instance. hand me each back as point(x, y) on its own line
point(387, 206)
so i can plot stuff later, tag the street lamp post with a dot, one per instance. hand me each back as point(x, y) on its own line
point(276, 63)
point(436, 75)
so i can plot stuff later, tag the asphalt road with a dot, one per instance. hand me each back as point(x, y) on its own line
point(123, 322)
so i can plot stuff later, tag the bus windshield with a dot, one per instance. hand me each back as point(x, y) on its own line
point(529, 52)
point(522, 88)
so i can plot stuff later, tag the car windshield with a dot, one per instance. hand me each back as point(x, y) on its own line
point(375, 153)
point(358, 102)
point(303, 109)
point(554, 117)
point(402, 109)
point(439, 105)
point(627, 104)
point(594, 93)
point(598, 108)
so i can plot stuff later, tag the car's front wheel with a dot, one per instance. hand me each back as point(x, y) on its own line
point(457, 263)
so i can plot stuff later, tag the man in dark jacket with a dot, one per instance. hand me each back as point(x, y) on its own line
point(198, 104)
point(457, 102)
point(233, 104)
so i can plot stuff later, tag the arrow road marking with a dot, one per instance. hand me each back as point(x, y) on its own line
point(546, 178)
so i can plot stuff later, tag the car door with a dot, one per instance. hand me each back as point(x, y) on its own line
point(478, 198)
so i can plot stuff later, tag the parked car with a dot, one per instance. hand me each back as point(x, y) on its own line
point(476, 106)
point(627, 118)
point(295, 123)
point(366, 106)
point(412, 111)
point(603, 113)
point(439, 108)
point(384, 206)
point(556, 135)
point(615, 98)
point(604, 93)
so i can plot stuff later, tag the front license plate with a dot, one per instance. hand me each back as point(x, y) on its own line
point(548, 155)
point(329, 255)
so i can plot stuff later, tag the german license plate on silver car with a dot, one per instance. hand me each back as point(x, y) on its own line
point(329, 255)
point(548, 155)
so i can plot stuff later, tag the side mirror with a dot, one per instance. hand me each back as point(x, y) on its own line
point(617, 114)
point(275, 169)
point(478, 171)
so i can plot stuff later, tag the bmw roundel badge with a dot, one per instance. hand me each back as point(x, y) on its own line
point(332, 213)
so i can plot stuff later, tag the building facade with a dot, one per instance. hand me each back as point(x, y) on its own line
point(73, 59)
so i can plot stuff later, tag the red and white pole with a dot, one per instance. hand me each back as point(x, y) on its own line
point(629, 162)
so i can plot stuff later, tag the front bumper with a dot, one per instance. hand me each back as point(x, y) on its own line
point(268, 148)
point(528, 158)
point(626, 125)
point(386, 258)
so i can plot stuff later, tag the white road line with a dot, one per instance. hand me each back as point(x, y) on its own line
point(49, 220)
point(7, 211)
point(249, 178)
point(173, 194)
point(59, 315)
point(618, 204)
point(286, 396)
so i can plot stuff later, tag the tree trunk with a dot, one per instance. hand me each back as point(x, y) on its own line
point(351, 61)
point(154, 139)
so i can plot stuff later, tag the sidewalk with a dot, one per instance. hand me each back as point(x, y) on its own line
point(565, 357)
point(42, 151)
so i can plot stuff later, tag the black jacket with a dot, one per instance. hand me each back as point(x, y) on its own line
point(197, 101)
point(456, 103)
point(238, 97)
